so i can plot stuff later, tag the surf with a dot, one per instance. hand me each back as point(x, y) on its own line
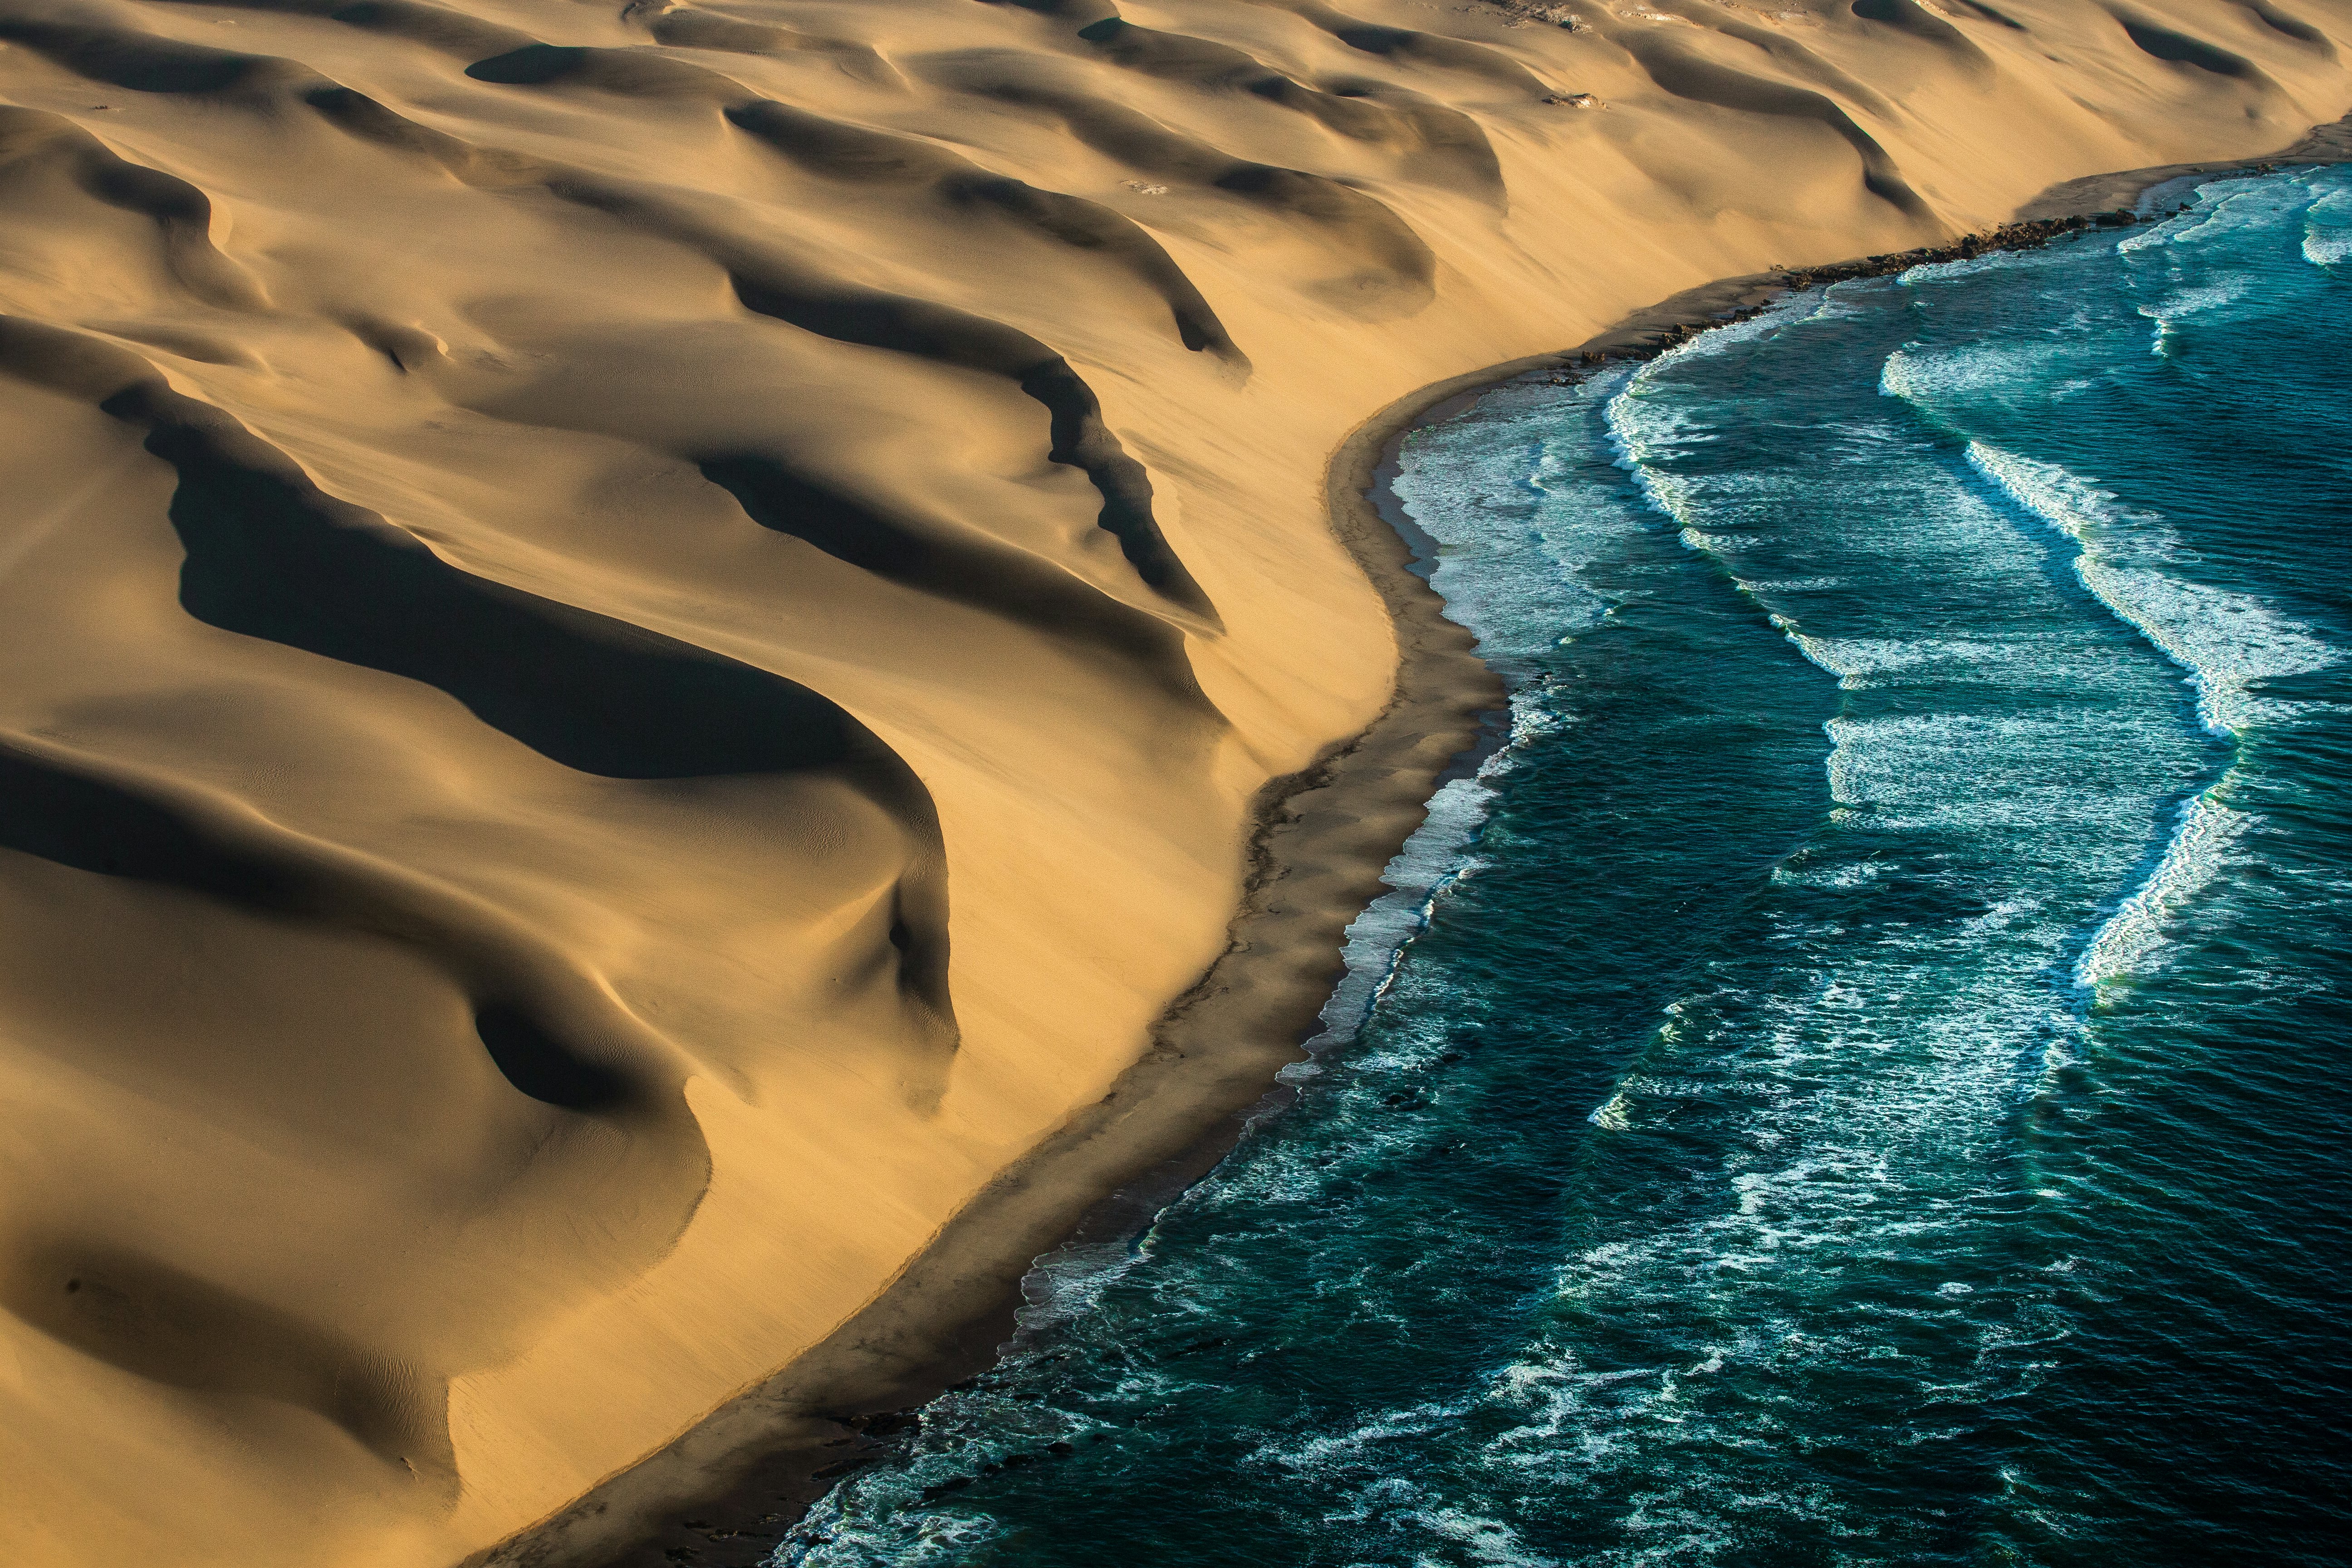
point(1799, 1074)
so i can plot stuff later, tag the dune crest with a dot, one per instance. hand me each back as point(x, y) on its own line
point(642, 638)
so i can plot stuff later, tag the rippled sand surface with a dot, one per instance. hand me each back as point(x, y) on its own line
point(1853, 1077)
point(639, 641)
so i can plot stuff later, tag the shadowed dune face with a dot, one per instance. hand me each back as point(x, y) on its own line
point(1365, 259)
point(1689, 75)
point(52, 164)
point(2180, 49)
point(855, 156)
point(157, 1324)
point(1438, 145)
point(638, 639)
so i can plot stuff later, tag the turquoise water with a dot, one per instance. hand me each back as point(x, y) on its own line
point(1864, 1079)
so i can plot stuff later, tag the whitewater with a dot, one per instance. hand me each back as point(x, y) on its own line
point(1856, 1075)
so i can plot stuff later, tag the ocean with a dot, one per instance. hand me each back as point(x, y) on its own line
point(1862, 1074)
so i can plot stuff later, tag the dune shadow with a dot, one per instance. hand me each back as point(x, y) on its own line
point(155, 1322)
point(1690, 76)
point(2178, 49)
point(271, 555)
point(70, 817)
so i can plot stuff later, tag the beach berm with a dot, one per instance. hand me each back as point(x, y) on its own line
point(679, 679)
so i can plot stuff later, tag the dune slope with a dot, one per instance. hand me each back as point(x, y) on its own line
point(640, 638)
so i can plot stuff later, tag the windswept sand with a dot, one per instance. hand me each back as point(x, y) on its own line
point(642, 644)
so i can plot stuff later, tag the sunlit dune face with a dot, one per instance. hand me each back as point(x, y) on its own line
point(640, 642)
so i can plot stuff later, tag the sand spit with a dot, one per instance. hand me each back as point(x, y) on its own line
point(644, 643)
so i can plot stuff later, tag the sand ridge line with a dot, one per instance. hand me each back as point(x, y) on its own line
point(1322, 837)
point(573, 381)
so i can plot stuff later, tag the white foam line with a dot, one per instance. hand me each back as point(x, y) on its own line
point(2327, 230)
point(1440, 852)
point(2225, 641)
point(1626, 413)
point(2168, 312)
point(1436, 857)
point(2132, 941)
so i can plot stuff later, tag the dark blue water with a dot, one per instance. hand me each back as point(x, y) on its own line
point(1874, 1080)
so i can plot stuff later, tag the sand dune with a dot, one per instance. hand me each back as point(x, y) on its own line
point(640, 640)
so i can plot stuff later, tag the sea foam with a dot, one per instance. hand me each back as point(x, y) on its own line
point(2171, 311)
point(2226, 641)
point(2132, 940)
point(2327, 230)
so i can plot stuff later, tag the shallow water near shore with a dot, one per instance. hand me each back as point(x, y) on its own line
point(1863, 1076)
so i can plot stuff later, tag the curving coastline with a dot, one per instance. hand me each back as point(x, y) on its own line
point(1322, 837)
point(1028, 557)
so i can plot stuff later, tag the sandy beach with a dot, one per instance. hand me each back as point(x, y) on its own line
point(684, 681)
point(758, 1462)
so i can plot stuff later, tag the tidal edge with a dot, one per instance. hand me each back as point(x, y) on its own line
point(722, 1493)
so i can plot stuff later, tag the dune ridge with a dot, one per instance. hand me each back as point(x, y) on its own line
point(645, 644)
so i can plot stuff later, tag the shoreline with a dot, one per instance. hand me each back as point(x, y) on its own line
point(723, 1492)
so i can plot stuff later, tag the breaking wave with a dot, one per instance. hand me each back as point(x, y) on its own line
point(1837, 1040)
